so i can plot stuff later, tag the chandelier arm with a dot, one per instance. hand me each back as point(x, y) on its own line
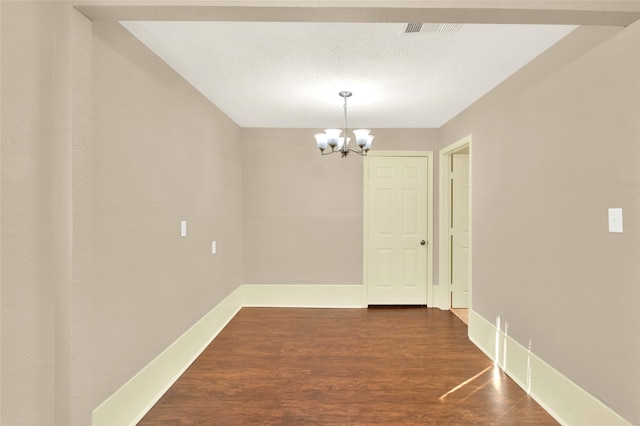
point(361, 152)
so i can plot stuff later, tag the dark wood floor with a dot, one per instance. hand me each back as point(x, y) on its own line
point(278, 366)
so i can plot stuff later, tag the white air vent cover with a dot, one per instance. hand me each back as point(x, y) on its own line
point(432, 28)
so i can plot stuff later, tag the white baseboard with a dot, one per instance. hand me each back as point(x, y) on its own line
point(136, 397)
point(568, 403)
point(305, 296)
point(441, 297)
point(563, 399)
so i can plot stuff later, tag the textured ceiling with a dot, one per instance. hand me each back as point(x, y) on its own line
point(269, 74)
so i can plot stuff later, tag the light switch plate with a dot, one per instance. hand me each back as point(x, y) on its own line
point(213, 247)
point(183, 228)
point(615, 220)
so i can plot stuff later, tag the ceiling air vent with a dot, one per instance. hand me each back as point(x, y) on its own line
point(449, 28)
point(432, 28)
point(413, 28)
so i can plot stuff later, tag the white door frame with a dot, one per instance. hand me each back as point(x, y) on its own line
point(429, 156)
point(442, 298)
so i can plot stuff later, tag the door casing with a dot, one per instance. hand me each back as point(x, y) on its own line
point(429, 157)
point(459, 236)
point(442, 295)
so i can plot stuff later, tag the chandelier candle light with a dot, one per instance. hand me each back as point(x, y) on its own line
point(332, 138)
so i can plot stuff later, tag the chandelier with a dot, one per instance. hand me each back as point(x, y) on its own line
point(337, 143)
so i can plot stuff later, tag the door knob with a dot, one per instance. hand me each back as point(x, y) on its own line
point(423, 242)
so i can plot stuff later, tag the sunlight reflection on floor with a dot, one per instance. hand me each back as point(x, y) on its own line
point(468, 381)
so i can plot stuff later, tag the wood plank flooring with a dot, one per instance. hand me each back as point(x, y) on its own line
point(461, 313)
point(392, 366)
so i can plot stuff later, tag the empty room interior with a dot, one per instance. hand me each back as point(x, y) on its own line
point(160, 179)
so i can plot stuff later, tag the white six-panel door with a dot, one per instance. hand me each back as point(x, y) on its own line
point(396, 239)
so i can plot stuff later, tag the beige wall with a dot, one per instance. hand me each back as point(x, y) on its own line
point(555, 147)
point(162, 153)
point(104, 151)
point(303, 212)
point(27, 294)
